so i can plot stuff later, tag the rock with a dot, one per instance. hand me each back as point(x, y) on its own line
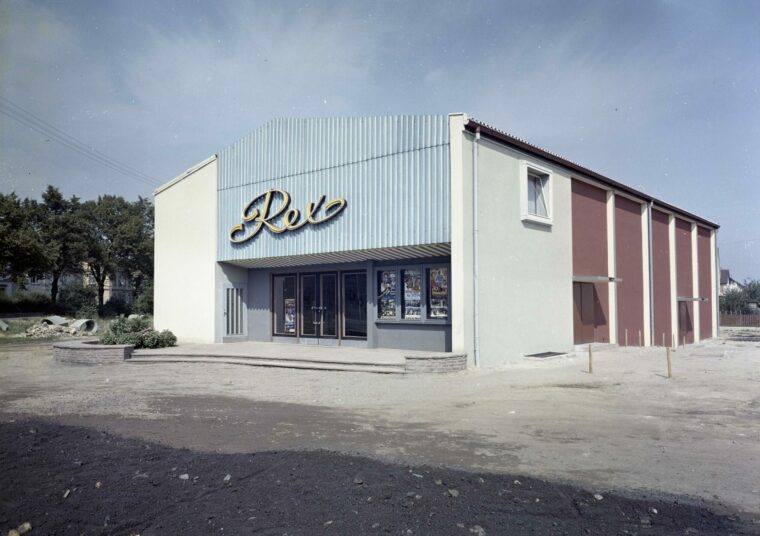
point(228, 478)
point(375, 525)
point(184, 476)
point(41, 331)
point(358, 480)
point(518, 483)
point(454, 493)
point(13, 532)
point(98, 484)
point(66, 493)
point(418, 496)
point(460, 525)
point(598, 496)
point(410, 494)
point(24, 528)
point(417, 475)
point(477, 529)
point(644, 520)
point(439, 482)
point(3, 326)
point(652, 510)
point(328, 523)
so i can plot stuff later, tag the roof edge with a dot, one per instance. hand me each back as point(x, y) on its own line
point(517, 143)
point(184, 174)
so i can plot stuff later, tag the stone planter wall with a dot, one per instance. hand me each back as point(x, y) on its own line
point(427, 364)
point(90, 352)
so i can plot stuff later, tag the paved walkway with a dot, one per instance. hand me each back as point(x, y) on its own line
point(284, 354)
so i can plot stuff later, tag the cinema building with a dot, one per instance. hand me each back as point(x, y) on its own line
point(435, 233)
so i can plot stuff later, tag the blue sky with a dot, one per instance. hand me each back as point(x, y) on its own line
point(664, 96)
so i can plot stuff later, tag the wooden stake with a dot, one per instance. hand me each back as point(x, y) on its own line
point(670, 370)
point(663, 338)
point(640, 338)
point(590, 360)
point(683, 341)
point(626, 337)
point(674, 341)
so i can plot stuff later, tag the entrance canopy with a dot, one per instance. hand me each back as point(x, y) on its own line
point(383, 254)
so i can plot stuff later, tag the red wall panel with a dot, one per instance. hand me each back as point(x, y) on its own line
point(661, 279)
point(589, 217)
point(705, 286)
point(684, 281)
point(629, 265)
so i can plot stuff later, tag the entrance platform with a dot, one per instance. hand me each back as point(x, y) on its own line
point(272, 354)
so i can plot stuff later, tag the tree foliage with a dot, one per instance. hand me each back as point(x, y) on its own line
point(56, 237)
point(62, 234)
point(733, 301)
point(119, 239)
point(21, 250)
point(752, 290)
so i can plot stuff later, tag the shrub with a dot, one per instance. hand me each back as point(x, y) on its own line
point(137, 332)
point(115, 306)
point(144, 302)
point(29, 302)
point(80, 300)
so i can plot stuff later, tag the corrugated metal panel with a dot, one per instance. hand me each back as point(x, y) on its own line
point(393, 171)
point(386, 254)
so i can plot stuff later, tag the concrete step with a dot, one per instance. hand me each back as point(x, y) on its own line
point(271, 362)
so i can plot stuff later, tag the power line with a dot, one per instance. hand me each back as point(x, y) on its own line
point(30, 116)
point(72, 146)
point(41, 126)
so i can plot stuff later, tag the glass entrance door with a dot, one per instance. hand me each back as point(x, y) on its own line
point(319, 305)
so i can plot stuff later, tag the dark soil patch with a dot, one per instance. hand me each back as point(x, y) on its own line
point(126, 486)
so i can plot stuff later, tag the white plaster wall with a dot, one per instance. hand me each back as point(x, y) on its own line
point(525, 283)
point(185, 256)
point(461, 282)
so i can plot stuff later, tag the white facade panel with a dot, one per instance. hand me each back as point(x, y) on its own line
point(185, 256)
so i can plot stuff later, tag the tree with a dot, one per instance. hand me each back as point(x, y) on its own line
point(101, 219)
point(733, 301)
point(133, 245)
point(752, 290)
point(21, 250)
point(119, 238)
point(61, 229)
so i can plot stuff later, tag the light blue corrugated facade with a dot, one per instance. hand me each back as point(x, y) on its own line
point(393, 171)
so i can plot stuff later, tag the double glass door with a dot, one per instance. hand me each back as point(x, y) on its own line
point(319, 305)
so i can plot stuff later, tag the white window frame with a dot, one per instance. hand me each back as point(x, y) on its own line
point(525, 169)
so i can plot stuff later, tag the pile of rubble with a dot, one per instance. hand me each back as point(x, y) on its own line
point(57, 326)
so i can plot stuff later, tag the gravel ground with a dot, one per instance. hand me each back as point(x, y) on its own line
point(73, 480)
point(625, 429)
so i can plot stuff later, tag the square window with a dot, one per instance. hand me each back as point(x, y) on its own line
point(536, 193)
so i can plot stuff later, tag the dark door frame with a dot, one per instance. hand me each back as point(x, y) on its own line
point(318, 286)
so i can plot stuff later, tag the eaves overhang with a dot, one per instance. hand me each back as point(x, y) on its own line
point(185, 174)
point(522, 145)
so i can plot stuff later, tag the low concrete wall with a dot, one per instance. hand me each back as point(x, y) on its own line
point(90, 352)
point(434, 363)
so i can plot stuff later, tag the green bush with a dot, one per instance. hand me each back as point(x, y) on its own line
point(144, 302)
point(115, 306)
point(29, 302)
point(137, 332)
point(79, 300)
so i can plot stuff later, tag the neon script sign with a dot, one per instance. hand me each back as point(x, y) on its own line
point(261, 213)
